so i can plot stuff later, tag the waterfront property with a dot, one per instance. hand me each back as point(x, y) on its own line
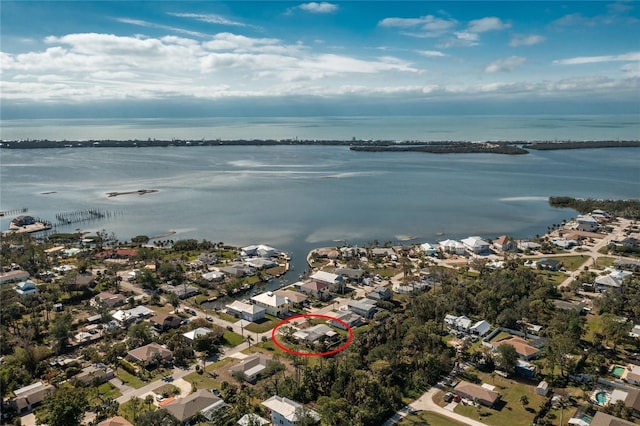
point(272, 303)
point(246, 311)
point(476, 245)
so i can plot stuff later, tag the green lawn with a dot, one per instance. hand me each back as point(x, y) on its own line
point(129, 379)
point(511, 412)
point(229, 318)
point(553, 277)
point(427, 418)
point(263, 326)
point(107, 390)
point(129, 412)
point(604, 262)
point(232, 339)
point(571, 263)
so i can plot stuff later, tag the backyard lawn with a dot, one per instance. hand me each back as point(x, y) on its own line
point(267, 325)
point(571, 263)
point(232, 339)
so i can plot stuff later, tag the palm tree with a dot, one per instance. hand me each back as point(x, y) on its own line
point(249, 339)
point(524, 401)
point(149, 400)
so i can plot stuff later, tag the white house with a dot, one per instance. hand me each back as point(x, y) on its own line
point(194, 334)
point(452, 247)
point(327, 278)
point(313, 334)
point(476, 245)
point(429, 249)
point(213, 276)
point(459, 323)
point(363, 307)
point(286, 412)
point(272, 303)
point(480, 328)
point(259, 250)
point(246, 311)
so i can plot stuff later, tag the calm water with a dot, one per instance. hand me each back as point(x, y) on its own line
point(469, 127)
point(299, 197)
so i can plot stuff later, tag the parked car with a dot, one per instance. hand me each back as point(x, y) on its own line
point(457, 398)
point(209, 318)
point(448, 397)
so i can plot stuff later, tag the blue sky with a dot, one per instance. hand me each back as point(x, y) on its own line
point(165, 58)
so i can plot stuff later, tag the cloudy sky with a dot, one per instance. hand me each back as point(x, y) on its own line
point(163, 58)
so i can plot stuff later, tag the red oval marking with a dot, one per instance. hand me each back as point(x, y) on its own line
point(291, 351)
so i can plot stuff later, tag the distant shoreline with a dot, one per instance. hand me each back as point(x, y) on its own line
point(436, 147)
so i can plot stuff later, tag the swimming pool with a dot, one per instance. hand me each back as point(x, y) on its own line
point(617, 371)
point(602, 398)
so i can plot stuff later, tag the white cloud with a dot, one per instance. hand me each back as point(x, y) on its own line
point(505, 65)
point(147, 24)
point(580, 60)
point(210, 19)
point(526, 40)
point(425, 26)
point(490, 23)
point(322, 7)
point(431, 53)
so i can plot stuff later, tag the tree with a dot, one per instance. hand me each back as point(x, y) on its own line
point(524, 400)
point(508, 358)
point(66, 407)
point(148, 400)
point(61, 330)
point(174, 300)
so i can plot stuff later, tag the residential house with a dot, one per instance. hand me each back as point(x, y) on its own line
point(93, 375)
point(13, 277)
point(570, 305)
point(30, 396)
point(363, 307)
point(451, 247)
point(115, 421)
point(630, 397)
point(128, 316)
point(564, 243)
point(380, 293)
point(26, 288)
point(480, 328)
point(260, 263)
point(350, 318)
point(286, 412)
point(332, 280)
point(632, 265)
point(384, 252)
point(183, 291)
point(429, 249)
point(461, 323)
point(635, 331)
point(192, 335)
point(164, 322)
point(315, 333)
point(603, 419)
point(238, 271)
point(505, 243)
point(251, 366)
point(587, 223)
point(296, 298)
point(273, 304)
point(476, 245)
point(528, 246)
point(213, 276)
point(150, 354)
point(548, 264)
point(110, 300)
point(201, 403)
point(259, 250)
point(523, 348)
point(474, 392)
point(633, 375)
point(316, 289)
point(208, 258)
point(246, 311)
point(351, 274)
point(83, 281)
point(604, 282)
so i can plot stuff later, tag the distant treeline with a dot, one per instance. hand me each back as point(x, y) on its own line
point(449, 148)
point(436, 147)
point(629, 209)
point(582, 145)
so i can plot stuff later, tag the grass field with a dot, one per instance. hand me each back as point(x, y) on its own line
point(232, 339)
point(427, 418)
point(263, 326)
point(229, 318)
point(129, 379)
point(107, 390)
point(571, 263)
